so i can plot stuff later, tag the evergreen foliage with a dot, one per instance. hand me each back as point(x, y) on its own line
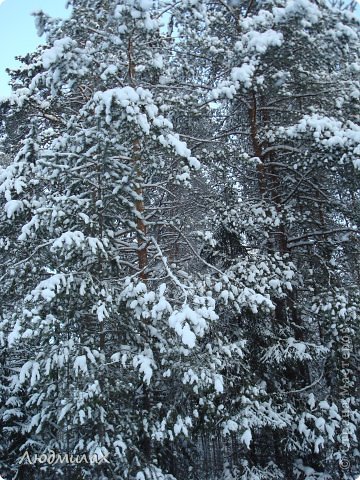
point(179, 243)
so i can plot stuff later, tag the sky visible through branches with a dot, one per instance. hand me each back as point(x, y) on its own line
point(18, 34)
point(17, 31)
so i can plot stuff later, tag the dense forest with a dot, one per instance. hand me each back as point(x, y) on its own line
point(179, 243)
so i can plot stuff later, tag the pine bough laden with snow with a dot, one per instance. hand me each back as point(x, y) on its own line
point(184, 312)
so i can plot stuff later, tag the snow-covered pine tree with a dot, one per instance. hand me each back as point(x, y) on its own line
point(111, 351)
point(285, 89)
point(100, 263)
